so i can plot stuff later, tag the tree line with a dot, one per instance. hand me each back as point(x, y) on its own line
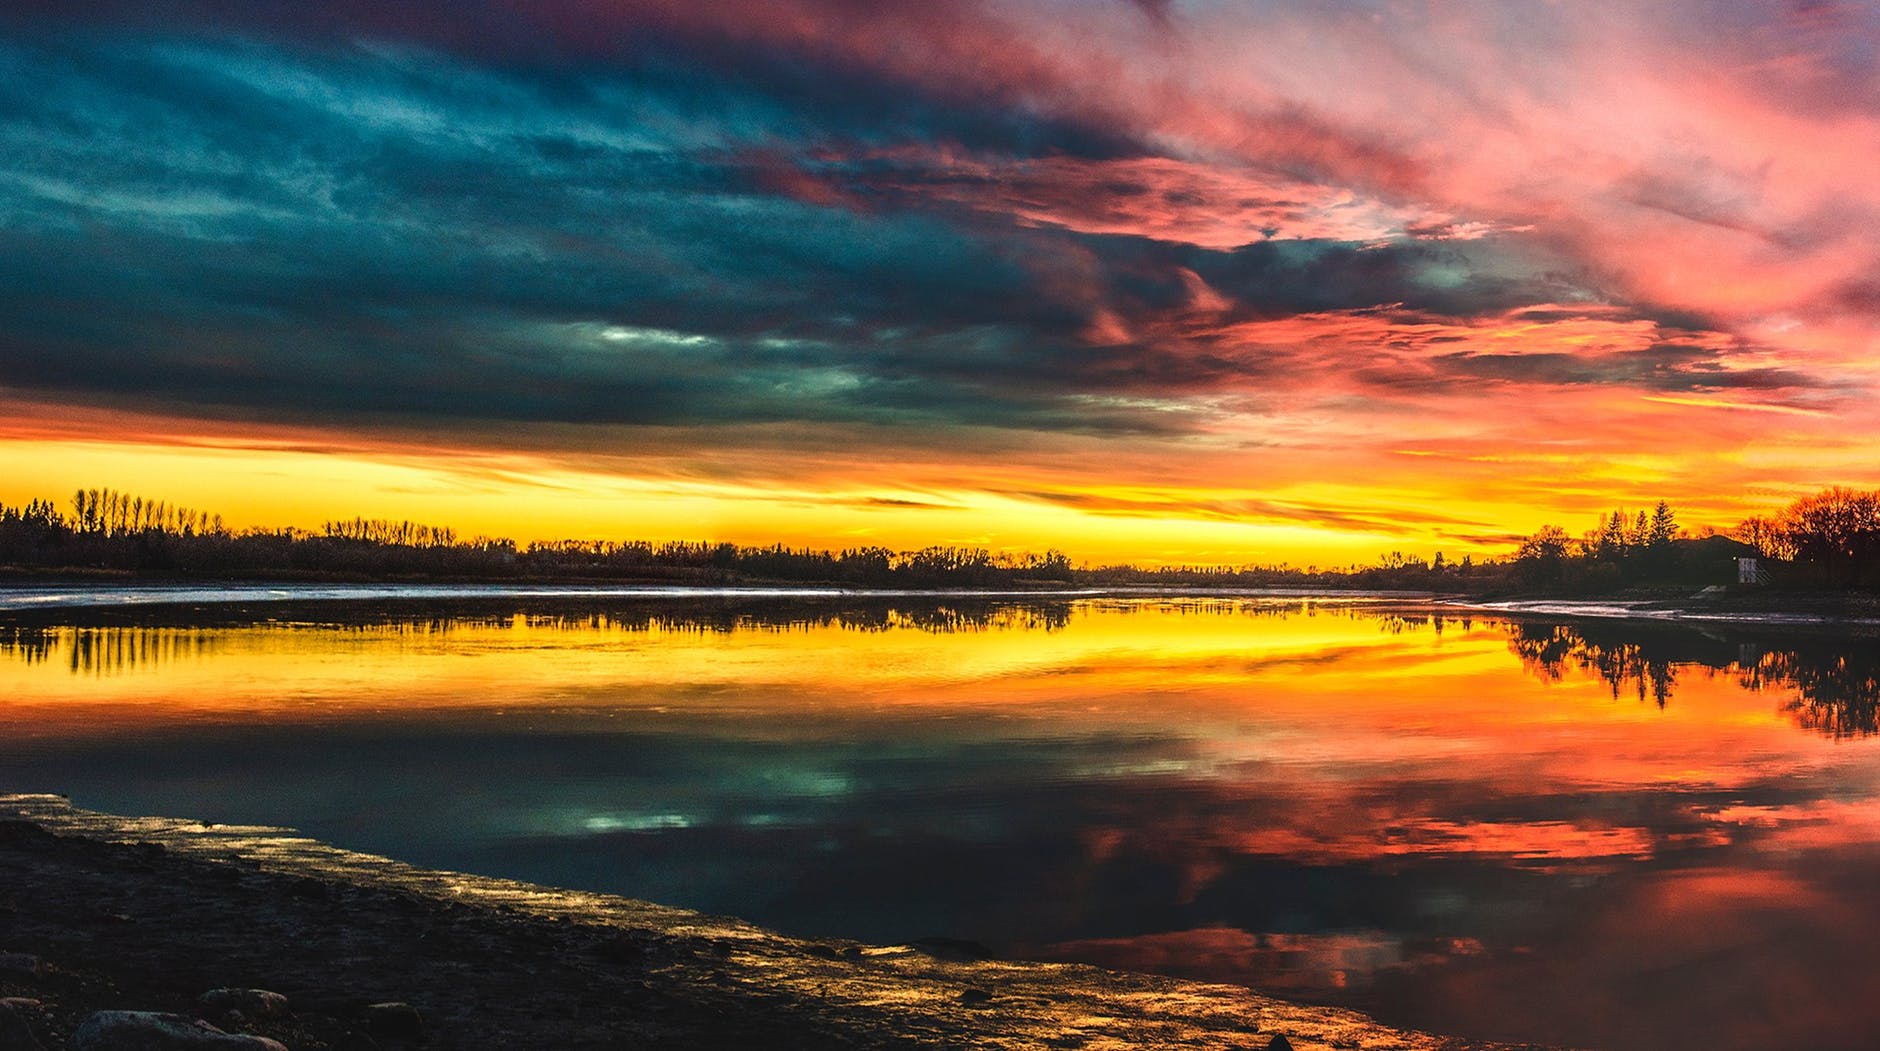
point(1831, 538)
point(107, 529)
point(1835, 533)
point(110, 530)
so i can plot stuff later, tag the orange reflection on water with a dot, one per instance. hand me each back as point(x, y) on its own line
point(1346, 708)
point(1063, 658)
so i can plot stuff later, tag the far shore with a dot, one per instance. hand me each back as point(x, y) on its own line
point(99, 912)
point(1746, 605)
point(36, 598)
point(53, 597)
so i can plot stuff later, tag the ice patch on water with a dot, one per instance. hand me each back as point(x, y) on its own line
point(84, 596)
point(1640, 611)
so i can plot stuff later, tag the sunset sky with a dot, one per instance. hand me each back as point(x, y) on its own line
point(1163, 280)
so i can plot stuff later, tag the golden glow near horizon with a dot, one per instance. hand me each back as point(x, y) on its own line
point(271, 488)
point(1301, 506)
point(1416, 501)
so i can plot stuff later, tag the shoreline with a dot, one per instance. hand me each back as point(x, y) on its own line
point(63, 601)
point(58, 602)
point(102, 912)
point(1718, 607)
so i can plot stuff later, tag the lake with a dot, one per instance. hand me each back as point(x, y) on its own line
point(1601, 833)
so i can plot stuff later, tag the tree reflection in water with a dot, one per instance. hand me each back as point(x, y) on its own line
point(1836, 691)
point(1830, 683)
point(28, 645)
point(1551, 651)
point(1833, 684)
point(164, 635)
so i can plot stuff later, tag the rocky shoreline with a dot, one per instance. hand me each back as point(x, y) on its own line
point(102, 914)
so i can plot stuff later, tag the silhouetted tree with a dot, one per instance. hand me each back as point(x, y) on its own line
point(1836, 530)
point(1663, 527)
point(1766, 535)
point(1540, 558)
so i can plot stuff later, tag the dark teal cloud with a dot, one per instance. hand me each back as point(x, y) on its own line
point(295, 223)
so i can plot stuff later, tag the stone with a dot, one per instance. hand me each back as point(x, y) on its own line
point(16, 1034)
point(400, 1021)
point(1279, 1043)
point(975, 997)
point(156, 1031)
point(957, 949)
point(250, 1003)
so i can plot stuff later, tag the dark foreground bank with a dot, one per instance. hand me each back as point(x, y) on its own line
point(148, 914)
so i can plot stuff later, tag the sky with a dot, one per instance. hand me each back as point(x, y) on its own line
point(1156, 280)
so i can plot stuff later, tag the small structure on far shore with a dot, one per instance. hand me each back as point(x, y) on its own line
point(1750, 571)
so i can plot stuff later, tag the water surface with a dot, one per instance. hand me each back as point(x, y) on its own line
point(1600, 834)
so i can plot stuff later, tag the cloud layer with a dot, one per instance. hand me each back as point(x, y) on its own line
point(1377, 235)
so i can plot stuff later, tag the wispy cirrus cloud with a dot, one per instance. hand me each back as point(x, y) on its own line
point(1158, 198)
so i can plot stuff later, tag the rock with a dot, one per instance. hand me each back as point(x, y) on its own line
point(957, 949)
point(975, 997)
point(154, 1031)
point(397, 1020)
point(1279, 1043)
point(249, 1003)
point(15, 1033)
point(20, 965)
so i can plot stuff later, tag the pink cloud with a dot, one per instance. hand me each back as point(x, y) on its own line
point(1713, 167)
point(1160, 198)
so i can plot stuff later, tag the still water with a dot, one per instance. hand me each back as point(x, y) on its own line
point(1601, 834)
